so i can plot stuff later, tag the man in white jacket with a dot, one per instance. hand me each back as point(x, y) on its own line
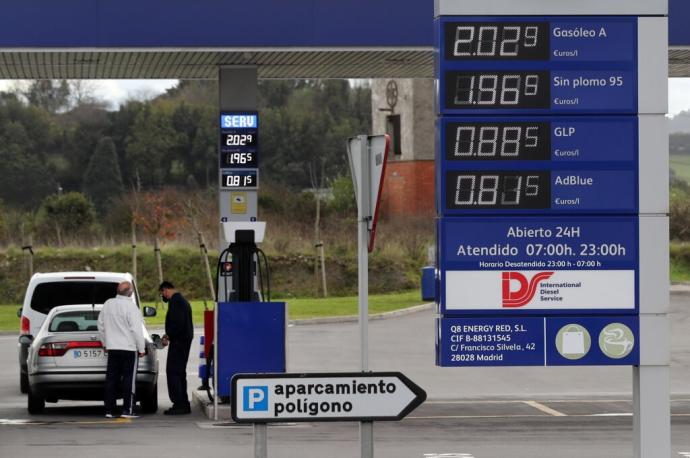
point(121, 326)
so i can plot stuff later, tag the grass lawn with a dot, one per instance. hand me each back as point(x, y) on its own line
point(680, 163)
point(680, 273)
point(297, 308)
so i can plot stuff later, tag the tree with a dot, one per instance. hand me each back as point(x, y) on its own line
point(149, 147)
point(120, 129)
point(25, 179)
point(51, 95)
point(103, 180)
point(66, 213)
point(311, 128)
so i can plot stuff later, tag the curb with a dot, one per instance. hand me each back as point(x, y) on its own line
point(327, 320)
point(355, 318)
point(680, 289)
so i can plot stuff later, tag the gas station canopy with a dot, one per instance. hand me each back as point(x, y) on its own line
point(86, 39)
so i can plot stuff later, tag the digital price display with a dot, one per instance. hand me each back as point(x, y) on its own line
point(239, 140)
point(238, 159)
point(240, 179)
point(497, 190)
point(577, 141)
point(232, 139)
point(504, 40)
point(504, 190)
point(517, 141)
point(525, 65)
point(497, 89)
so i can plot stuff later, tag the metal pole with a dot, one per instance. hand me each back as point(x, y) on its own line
point(215, 359)
point(366, 428)
point(204, 260)
point(260, 440)
point(651, 412)
point(134, 250)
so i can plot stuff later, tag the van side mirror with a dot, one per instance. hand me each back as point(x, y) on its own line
point(26, 339)
point(19, 312)
point(149, 311)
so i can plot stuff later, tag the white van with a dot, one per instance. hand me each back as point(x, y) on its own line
point(49, 290)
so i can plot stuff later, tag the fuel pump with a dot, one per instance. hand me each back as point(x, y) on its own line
point(248, 330)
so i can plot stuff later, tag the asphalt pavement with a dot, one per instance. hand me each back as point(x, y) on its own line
point(471, 412)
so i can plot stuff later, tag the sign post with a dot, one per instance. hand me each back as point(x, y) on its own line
point(367, 156)
point(552, 201)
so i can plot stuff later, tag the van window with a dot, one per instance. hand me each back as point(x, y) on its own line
point(51, 294)
point(82, 320)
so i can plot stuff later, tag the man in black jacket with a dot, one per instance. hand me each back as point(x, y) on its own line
point(179, 333)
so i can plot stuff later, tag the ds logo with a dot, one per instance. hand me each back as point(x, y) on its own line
point(526, 288)
point(255, 398)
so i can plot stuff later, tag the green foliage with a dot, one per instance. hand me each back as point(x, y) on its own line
point(344, 200)
point(679, 224)
point(3, 220)
point(292, 275)
point(679, 143)
point(50, 134)
point(70, 213)
point(25, 179)
point(152, 139)
point(306, 124)
point(102, 179)
point(49, 95)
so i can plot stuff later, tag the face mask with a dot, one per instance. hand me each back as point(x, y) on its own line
point(165, 299)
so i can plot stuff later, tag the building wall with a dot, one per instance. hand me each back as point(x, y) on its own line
point(408, 189)
point(409, 183)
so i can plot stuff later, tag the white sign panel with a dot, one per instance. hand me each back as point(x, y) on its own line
point(368, 156)
point(552, 290)
point(259, 398)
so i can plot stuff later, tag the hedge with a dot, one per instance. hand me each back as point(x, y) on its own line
point(292, 275)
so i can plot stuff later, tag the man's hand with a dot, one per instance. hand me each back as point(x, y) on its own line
point(165, 340)
point(142, 354)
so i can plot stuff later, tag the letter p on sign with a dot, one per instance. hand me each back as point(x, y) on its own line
point(255, 398)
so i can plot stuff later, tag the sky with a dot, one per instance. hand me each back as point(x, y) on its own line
point(117, 91)
point(678, 95)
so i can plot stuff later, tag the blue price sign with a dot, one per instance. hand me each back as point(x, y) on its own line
point(550, 164)
point(490, 341)
point(538, 341)
point(538, 190)
point(239, 140)
point(582, 142)
point(577, 341)
point(239, 120)
point(526, 65)
point(533, 265)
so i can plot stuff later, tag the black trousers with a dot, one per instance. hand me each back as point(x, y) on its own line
point(176, 370)
point(121, 374)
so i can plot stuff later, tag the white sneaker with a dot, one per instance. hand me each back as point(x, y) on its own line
point(126, 415)
point(109, 415)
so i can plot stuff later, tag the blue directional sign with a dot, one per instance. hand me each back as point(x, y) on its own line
point(521, 65)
